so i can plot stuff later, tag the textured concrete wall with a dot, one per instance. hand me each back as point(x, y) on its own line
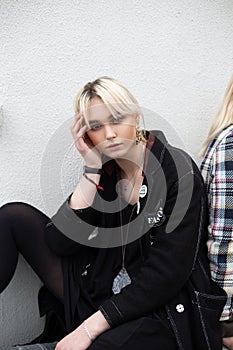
point(175, 56)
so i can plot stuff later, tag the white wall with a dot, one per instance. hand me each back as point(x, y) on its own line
point(175, 56)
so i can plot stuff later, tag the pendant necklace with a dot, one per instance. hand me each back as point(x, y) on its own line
point(123, 279)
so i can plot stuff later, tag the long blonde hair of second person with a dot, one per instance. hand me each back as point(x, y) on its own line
point(223, 118)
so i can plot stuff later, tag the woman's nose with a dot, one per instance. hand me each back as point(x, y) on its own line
point(110, 132)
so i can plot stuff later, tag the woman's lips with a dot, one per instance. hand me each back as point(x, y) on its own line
point(114, 146)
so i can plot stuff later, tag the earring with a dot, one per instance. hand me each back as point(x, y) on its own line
point(139, 136)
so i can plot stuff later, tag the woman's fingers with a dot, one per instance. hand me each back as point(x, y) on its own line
point(76, 118)
point(80, 134)
point(76, 121)
point(84, 145)
point(77, 128)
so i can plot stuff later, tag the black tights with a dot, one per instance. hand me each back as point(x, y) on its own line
point(22, 229)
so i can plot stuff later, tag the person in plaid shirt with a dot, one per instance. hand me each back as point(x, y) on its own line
point(217, 171)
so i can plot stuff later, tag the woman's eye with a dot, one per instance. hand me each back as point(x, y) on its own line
point(95, 126)
point(118, 119)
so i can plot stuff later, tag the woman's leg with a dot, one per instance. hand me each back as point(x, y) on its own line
point(22, 229)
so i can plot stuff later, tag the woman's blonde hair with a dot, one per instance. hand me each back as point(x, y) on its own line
point(115, 95)
point(223, 118)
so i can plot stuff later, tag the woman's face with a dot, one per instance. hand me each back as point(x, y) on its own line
point(112, 137)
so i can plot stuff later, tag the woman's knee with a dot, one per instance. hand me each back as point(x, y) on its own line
point(11, 208)
point(20, 213)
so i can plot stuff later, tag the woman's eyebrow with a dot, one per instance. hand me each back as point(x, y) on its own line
point(93, 121)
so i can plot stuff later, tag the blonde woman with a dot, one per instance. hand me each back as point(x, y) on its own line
point(217, 171)
point(124, 260)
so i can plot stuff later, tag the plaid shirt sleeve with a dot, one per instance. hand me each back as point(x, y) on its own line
point(220, 243)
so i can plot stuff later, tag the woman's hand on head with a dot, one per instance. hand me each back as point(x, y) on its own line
point(83, 143)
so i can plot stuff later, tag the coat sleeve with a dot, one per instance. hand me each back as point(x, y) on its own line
point(69, 229)
point(170, 260)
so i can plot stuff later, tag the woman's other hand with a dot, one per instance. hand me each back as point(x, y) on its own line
point(76, 340)
point(83, 143)
point(228, 342)
point(79, 339)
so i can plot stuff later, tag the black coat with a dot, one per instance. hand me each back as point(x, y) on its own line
point(174, 276)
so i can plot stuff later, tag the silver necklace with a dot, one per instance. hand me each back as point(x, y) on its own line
point(123, 279)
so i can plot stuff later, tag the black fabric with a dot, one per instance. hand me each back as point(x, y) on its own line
point(78, 278)
point(148, 333)
point(227, 328)
point(90, 273)
point(22, 229)
point(176, 257)
point(145, 332)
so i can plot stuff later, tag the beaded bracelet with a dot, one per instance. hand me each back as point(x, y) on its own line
point(93, 182)
point(87, 331)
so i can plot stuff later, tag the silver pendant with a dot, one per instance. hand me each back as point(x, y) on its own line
point(121, 281)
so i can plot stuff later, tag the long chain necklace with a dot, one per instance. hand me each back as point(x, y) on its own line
point(123, 278)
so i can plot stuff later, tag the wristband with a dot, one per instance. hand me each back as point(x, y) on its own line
point(89, 170)
point(93, 182)
point(87, 331)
